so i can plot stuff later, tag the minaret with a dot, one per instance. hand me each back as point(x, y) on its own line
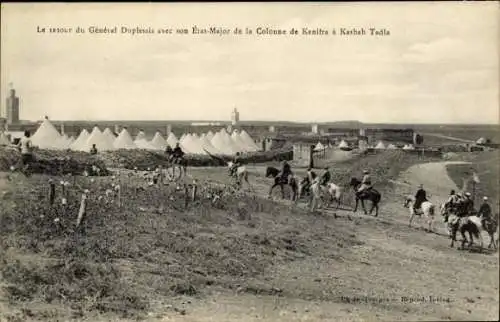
point(235, 117)
point(12, 107)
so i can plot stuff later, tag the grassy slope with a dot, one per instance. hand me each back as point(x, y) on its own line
point(122, 261)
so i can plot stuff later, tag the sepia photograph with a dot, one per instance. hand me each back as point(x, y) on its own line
point(319, 161)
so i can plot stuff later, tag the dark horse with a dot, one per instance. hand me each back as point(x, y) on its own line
point(272, 172)
point(181, 164)
point(370, 194)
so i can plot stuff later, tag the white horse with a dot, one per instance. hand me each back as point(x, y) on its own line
point(240, 174)
point(427, 210)
point(331, 192)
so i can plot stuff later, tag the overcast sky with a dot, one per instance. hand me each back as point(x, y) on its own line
point(439, 64)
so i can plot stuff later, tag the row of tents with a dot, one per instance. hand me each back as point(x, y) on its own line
point(221, 142)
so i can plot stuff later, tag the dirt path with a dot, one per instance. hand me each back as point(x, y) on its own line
point(433, 176)
point(448, 137)
point(399, 273)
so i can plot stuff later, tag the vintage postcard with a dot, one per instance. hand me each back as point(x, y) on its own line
point(249, 161)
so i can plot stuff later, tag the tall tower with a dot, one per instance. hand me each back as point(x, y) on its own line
point(12, 107)
point(235, 117)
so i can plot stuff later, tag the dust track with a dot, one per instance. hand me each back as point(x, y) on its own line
point(433, 176)
point(441, 136)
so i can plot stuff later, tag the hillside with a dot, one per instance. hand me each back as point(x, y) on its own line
point(245, 258)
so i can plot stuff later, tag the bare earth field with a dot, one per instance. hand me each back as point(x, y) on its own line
point(249, 259)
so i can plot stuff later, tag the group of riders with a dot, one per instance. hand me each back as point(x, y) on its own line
point(461, 204)
point(175, 155)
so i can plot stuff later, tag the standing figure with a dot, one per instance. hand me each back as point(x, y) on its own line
point(236, 164)
point(26, 148)
point(93, 150)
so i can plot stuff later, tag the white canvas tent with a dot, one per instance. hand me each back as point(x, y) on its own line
point(172, 140)
point(144, 144)
point(124, 141)
point(220, 144)
point(319, 147)
point(207, 145)
point(391, 147)
point(481, 141)
point(343, 144)
point(380, 146)
point(192, 144)
point(47, 136)
point(158, 141)
point(245, 137)
point(238, 142)
point(183, 138)
point(409, 147)
point(232, 147)
point(80, 140)
point(109, 134)
point(101, 142)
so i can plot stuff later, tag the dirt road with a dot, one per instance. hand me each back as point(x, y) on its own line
point(441, 136)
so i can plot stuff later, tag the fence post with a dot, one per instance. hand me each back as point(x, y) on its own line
point(194, 191)
point(83, 209)
point(186, 196)
point(52, 192)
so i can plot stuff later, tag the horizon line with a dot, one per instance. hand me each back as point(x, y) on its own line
point(246, 122)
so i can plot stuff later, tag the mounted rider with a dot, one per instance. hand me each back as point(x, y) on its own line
point(452, 202)
point(169, 152)
point(236, 163)
point(465, 205)
point(177, 154)
point(286, 172)
point(420, 197)
point(325, 177)
point(485, 212)
point(308, 180)
point(366, 183)
point(468, 204)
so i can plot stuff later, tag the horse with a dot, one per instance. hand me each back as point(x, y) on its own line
point(490, 226)
point(279, 181)
point(331, 192)
point(179, 163)
point(240, 174)
point(370, 194)
point(470, 224)
point(427, 210)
